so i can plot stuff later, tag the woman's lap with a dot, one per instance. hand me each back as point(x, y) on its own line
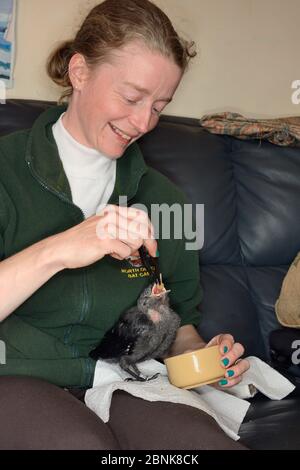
point(35, 414)
point(141, 424)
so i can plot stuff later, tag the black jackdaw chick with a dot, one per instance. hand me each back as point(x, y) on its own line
point(143, 332)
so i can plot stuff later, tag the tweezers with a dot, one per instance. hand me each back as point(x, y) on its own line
point(147, 260)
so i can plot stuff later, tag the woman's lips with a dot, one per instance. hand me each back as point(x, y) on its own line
point(118, 132)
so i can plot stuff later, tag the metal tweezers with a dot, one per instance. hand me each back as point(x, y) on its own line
point(147, 260)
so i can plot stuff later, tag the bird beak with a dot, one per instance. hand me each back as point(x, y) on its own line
point(161, 294)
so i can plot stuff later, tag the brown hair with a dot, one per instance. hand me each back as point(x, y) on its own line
point(111, 25)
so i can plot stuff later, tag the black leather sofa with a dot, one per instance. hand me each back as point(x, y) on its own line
point(251, 193)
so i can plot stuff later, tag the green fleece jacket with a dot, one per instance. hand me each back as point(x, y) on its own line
point(51, 334)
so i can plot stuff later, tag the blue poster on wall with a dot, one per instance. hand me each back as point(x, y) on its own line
point(7, 41)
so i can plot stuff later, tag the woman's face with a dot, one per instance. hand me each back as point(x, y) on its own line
point(120, 100)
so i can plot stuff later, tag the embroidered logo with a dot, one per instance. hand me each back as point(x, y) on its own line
point(136, 270)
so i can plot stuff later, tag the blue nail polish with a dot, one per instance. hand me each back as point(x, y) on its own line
point(223, 382)
point(225, 349)
point(157, 254)
point(230, 373)
point(225, 361)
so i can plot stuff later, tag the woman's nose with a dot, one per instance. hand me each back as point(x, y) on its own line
point(141, 120)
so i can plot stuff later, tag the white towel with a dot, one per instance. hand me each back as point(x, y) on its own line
point(227, 407)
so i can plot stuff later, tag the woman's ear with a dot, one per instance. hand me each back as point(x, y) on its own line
point(78, 71)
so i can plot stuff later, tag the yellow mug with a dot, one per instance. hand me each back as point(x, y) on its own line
point(195, 368)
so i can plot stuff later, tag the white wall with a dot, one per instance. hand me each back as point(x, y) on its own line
point(248, 52)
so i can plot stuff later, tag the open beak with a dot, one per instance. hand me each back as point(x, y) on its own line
point(161, 294)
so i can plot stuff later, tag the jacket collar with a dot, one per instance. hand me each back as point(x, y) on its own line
point(42, 155)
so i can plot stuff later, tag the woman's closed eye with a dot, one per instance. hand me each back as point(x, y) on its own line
point(133, 102)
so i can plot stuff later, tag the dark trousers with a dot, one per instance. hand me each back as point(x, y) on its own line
point(35, 414)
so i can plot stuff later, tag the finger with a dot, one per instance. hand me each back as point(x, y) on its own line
point(131, 243)
point(234, 374)
point(119, 250)
point(128, 225)
point(111, 232)
point(214, 341)
point(136, 253)
point(232, 355)
point(226, 343)
point(121, 227)
point(139, 217)
point(151, 245)
point(238, 369)
point(227, 383)
point(128, 211)
point(133, 214)
point(142, 230)
point(116, 256)
point(113, 225)
point(224, 340)
point(112, 208)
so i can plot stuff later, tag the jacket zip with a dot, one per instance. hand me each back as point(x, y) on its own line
point(51, 190)
point(85, 302)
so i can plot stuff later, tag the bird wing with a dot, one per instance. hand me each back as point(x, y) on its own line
point(116, 343)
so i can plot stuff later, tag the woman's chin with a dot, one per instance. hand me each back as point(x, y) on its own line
point(112, 153)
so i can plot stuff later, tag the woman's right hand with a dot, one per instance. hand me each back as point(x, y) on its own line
point(116, 231)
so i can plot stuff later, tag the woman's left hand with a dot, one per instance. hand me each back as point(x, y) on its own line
point(231, 353)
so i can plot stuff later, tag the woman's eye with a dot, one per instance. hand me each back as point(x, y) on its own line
point(131, 101)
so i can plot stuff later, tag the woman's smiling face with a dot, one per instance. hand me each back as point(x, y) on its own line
point(120, 100)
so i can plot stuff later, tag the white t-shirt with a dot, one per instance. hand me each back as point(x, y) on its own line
point(91, 174)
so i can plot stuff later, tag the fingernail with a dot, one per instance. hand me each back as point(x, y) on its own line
point(230, 373)
point(225, 349)
point(157, 254)
point(223, 382)
point(225, 361)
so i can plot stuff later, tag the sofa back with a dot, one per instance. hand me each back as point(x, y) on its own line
point(251, 196)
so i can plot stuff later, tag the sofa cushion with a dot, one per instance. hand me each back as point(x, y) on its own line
point(267, 193)
point(272, 425)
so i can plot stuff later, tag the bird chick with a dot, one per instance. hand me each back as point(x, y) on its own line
point(143, 332)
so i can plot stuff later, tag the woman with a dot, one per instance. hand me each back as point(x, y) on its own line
point(64, 264)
